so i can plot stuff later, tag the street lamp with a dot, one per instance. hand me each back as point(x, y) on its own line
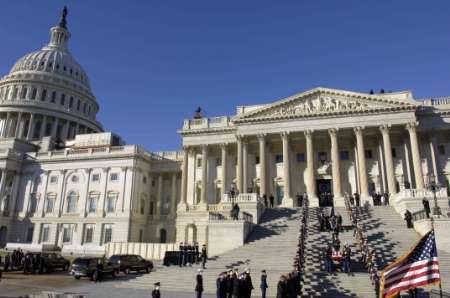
point(434, 186)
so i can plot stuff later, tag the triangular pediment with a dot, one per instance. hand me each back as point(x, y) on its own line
point(323, 102)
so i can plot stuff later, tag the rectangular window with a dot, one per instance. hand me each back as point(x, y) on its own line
point(92, 202)
point(111, 202)
point(33, 203)
point(300, 157)
point(150, 210)
point(67, 234)
point(278, 158)
point(142, 207)
point(107, 233)
point(141, 235)
point(71, 102)
point(218, 161)
point(50, 203)
point(153, 183)
point(44, 95)
point(368, 154)
point(257, 160)
point(78, 105)
point(441, 149)
point(53, 96)
point(63, 99)
point(24, 93)
point(114, 177)
point(344, 155)
point(30, 234)
point(34, 93)
point(199, 162)
point(89, 233)
point(95, 177)
point(394, 152)
point(53, 179)
point(144, 180)
point(45, 232)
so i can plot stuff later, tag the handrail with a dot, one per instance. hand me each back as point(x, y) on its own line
point(419, 215)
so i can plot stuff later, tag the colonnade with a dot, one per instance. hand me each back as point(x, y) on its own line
point(173, 195)
point(241, 146)
point(24, 125)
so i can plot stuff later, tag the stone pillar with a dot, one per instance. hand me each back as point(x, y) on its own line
point(184, 180)
point(381, 167)
point(336, 169)
point(41, 206)
point(362, 164)
point(6, 126)
point(407, 161)
point(14, 193)
point(224, 151)
point(159, 197)
point(287, 199)
point(262, 165)
point(239, 164)
point(18, 126)
point(435, 160)
point(310, 170)
point(59, 205)
point(43, 126)
point(54, 128)
point(392, 189)
point(3, 183)
point(101, 210)
point(204, 190)
point(417, 163)
point(30, 128)
point(84, 198)
point(244, 166)
point(173, 195)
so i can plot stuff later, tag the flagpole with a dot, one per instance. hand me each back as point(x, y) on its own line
point(435, 240)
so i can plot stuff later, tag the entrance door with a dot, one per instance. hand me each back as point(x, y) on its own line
point(324, 192)
point(3, 234)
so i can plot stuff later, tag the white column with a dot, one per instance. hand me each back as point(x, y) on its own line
point(54, 128)
point(102, 203)
point(417, 163)
point(262, 165)
point(6, 126)
point(43, 127)
point(30, 127)
point(310, 170)
point(435, 159)
point(389, 161)
point(336, 169)
point(18, 126)
point(407, 161)
point(287, 199)
point(362, 164)
point(14, 193)
point(381, 167)
point(204, 190)
point(224, 151)
point(159, 197)
point(60, 200)
point(245, 166)
point(3, 184)
point(84, 198)
point(184, 179)
point(173, 195)
point(239, 164)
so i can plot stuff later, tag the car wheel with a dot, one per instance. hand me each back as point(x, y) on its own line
point(77, 277)
point(127, 271)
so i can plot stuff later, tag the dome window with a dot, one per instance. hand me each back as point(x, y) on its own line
point(24, 93)
point(43, 95)
point(57, 66)
point(64, 68)
point(53, 96)
point(70, 102)
point(14, 95)
point(71, 71)
point(78, 105)
point(34, 93)
point(77, 74)
point(63, 99)
point(84, 108)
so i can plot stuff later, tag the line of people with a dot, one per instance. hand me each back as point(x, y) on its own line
point(289, 285)
point(189, 254)
point(368, 254)
point(234, 284)
point(380, 199)
point(14, 260)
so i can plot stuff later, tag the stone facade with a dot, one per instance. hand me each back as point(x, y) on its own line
point(58, 190)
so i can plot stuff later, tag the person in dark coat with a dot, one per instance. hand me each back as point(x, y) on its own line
point(7, 262)
point(221, 285)
point(248, 285)
point(408, 219)
point(265, 201)
point(196, 253)
point(98, 271)
point(204, 256)
point(236, 286)
point(180, 254)
point(357, 199)
point(199, 284)
point(282, 287)
point(229, 281)
point(426, 206)
point(156, 292)
point(263, 286)
point(271, 200)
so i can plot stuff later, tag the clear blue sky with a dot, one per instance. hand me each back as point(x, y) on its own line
point(151, 63)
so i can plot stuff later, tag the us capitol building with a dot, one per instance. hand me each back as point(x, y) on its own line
point(66, 183)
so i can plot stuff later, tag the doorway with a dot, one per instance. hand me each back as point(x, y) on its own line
point(324, 192)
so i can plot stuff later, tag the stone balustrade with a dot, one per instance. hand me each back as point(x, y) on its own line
point(422, 193)
point(204, 123)
point(240, 198)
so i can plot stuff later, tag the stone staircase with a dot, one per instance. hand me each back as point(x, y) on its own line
point(270, 246)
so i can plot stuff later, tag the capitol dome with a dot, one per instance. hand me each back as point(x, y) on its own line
point(47, 93)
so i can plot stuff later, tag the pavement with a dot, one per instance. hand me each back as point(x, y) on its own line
point(19, 285)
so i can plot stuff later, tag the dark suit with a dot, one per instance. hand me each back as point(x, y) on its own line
point(263, 285)
point(199, 285)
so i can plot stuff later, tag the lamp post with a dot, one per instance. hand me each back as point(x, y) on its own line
point(434, 186)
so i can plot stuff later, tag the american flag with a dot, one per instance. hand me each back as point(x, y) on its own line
point(419, 267)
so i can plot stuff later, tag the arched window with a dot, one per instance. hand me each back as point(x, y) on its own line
point(53, 96)
point(92, 202)
point(111, 202)
point(72, 200)
point(63, 99)
point(33, 93)
point(24, 93)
